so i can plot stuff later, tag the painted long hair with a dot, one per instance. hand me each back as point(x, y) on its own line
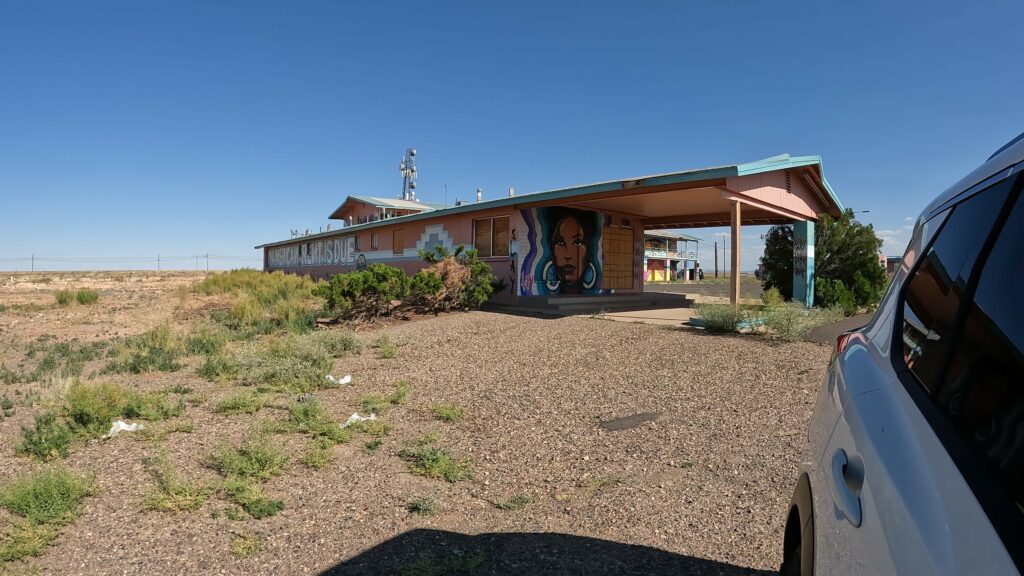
point(545, 274)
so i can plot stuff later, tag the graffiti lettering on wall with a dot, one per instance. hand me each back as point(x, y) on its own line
point(799, 258)
point(564, 254)
point(331, 251)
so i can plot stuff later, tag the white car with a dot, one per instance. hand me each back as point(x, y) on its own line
point(916, 446)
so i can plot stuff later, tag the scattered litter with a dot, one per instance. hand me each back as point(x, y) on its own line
point(122, 426)
point(346, 379)
point(306, 398)
point(355, 417)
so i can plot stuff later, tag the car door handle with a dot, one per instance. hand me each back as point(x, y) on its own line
point(847, 480)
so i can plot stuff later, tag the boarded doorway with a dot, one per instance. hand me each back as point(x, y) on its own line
point(617, 247)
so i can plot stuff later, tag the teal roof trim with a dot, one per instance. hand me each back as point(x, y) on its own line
point(784, 161)
point(779, 162)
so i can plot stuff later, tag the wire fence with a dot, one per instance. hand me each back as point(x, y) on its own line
point(159, 262)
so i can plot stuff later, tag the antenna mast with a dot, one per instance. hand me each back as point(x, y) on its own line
point(408, 170)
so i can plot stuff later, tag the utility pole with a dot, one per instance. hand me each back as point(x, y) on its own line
point(33, 262)
point(716, 258)
point(157, 262)
point(207, 261)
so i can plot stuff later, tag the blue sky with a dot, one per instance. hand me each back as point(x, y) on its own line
point(131, 129)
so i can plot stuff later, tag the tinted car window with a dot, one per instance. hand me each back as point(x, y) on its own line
point(937, 289)
point(983, 392)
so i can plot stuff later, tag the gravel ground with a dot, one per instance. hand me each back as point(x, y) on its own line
point(696, 482)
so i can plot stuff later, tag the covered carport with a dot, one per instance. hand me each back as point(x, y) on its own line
point(778, 190)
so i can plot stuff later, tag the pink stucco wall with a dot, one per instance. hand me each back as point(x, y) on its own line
point(450, 230)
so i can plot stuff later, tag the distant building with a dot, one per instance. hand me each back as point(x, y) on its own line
point(892, 263)
point(668, 255)
point(595, 240)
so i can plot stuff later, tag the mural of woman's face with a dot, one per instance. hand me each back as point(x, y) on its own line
point(570, 248)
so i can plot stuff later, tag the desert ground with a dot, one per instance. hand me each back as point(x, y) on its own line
point(585, 446)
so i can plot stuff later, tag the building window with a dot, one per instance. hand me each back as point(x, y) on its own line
point(398, 247)
point(373, 240)
point(491, 236)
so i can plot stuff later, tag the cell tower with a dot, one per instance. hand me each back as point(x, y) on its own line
point(408, 170)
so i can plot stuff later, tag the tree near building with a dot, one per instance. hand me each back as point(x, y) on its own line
point(846, 268)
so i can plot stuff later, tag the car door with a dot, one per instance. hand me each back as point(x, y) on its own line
point(890, 498)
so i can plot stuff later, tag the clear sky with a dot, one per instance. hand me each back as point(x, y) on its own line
point(131, 129)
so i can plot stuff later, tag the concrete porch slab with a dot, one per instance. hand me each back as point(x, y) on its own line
point(661, 316)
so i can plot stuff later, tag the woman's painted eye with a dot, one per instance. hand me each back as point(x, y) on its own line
point(577, 242)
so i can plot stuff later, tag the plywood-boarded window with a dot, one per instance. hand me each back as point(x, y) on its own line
point(482, 237)
point(500, 243)
point(617, 247)
point(398, 247)
point(491, 236)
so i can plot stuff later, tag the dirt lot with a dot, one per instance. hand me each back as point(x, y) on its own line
point(640, 449)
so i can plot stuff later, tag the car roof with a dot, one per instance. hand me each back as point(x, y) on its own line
point(999, 165)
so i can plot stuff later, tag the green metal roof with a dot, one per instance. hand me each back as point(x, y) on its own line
point(780, 162)
point(671, 235)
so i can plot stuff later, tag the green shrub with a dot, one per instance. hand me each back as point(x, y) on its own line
point(334, 342)
point(169, 493)
point(206, 341)
point(311, 418)
point(787, 322)
point(772, 298)
point(832, 292)
point(25, 539)
point(47, 496)
point(380, 403)
point(447, 412)
point(153, 406)
point(256, 458)
point(251, 498)
point(244, 402)
point(245, 545)
point(218, 366)
point(517, 502)
point(424, 506)
point(93, 407)
point(61, 359)
point(64, 297)
point(721, 317)
point(87, 296)
point(289, 364)
point(365, 294)
point(425, 288)
point(376, 428)
point(386, 349)
point(437, 463)
point(319, 455)
point(156, 349)
point(50, 438)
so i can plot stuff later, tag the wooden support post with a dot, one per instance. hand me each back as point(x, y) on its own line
point(734, 280)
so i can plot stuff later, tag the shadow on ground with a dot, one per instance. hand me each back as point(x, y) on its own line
point(436, 553)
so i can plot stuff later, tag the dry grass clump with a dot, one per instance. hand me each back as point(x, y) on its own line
point(243, 402)
point(293, 363)
point(89, 410)
point(170, 493)
point(447, 412)
point(381, 403)
point(157, 349)
point(263, 302)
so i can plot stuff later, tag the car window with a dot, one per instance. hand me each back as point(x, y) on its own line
point(936, 290)
point(983, 393)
